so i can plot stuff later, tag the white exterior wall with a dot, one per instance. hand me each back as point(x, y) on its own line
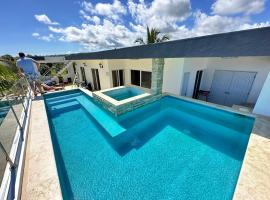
point(175, 68)
point(262, 106)
point(70, 73)
point(172, 75)
point(192, 65)
point(140, 64)
point(104, 75)
point(261, 65)
point(129, 64)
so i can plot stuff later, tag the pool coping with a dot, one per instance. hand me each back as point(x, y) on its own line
point(254, 179)
point(40, 178)
point(253, 182)
point(209, 104)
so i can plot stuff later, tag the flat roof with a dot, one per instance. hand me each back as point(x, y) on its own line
point(252, 42)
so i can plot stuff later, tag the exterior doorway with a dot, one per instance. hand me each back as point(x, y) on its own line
point(83, 74)
point(231, 87)
point(185, 82)
point(197, 84)
point(96, 81)
point(118, 77)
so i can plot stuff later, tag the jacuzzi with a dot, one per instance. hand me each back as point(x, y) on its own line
point(123, 93)
point(119, 100)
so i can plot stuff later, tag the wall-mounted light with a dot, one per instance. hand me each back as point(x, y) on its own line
point(100, 65)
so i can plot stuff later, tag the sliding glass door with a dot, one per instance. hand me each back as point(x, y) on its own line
point(141, 78)
point(118, 77)
point(96, 82)
point(136, 77)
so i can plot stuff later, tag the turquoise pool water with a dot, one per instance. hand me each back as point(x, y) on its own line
point(124, 93)
point(3, 112)
point(170, 149)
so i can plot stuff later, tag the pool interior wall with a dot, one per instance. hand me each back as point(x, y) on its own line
point(170, 149)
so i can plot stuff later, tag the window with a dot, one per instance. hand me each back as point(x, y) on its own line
point(146, 79)
point(135, 77)
point(141, 78)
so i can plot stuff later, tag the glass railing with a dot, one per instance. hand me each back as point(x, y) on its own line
point(14, 105)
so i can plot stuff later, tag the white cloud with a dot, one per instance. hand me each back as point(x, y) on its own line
point(102, 27)
point(231, 7)
point(95, 19)
point(255, 25)
point(47, 38)
point(87, 6)
point(45, 19)
point(94, 37)
point(205, 24)
point(163, 14)
point(211, 24)
point(35, 34)
point(111, 11)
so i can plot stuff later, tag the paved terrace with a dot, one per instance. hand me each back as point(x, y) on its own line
point(40, 179)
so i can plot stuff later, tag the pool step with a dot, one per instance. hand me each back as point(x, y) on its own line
point(205, 126)
point(4, 111)
point(57, 109)
point(62, 101)
point(63, 97)
point(106, 121)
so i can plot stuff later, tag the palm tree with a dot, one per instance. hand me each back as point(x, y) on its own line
point(152, 37)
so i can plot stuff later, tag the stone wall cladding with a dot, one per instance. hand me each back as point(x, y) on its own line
point(127, 107)
point(157, 75)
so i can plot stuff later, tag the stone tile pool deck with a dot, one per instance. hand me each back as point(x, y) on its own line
point(40, 179)
point(254, 179)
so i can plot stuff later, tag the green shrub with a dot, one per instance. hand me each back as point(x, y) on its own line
point(7, 77)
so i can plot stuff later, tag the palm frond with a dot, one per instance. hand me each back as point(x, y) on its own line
point(152, 36)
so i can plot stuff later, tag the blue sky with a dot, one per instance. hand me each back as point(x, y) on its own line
point(67, 26)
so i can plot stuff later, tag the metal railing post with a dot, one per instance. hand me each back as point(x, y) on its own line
point(24, 108)
point(12, 164)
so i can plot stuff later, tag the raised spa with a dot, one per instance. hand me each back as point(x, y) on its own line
point(124, 93)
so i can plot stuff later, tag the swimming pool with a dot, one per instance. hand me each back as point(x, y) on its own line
point(124, 93)
point(170, 149)
point(3, 112)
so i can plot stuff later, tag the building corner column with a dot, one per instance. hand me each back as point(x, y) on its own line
point(157, 75)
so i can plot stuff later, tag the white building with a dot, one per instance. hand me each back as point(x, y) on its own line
point(231, 67)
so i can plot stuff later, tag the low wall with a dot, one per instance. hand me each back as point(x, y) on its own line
point(126, 107)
